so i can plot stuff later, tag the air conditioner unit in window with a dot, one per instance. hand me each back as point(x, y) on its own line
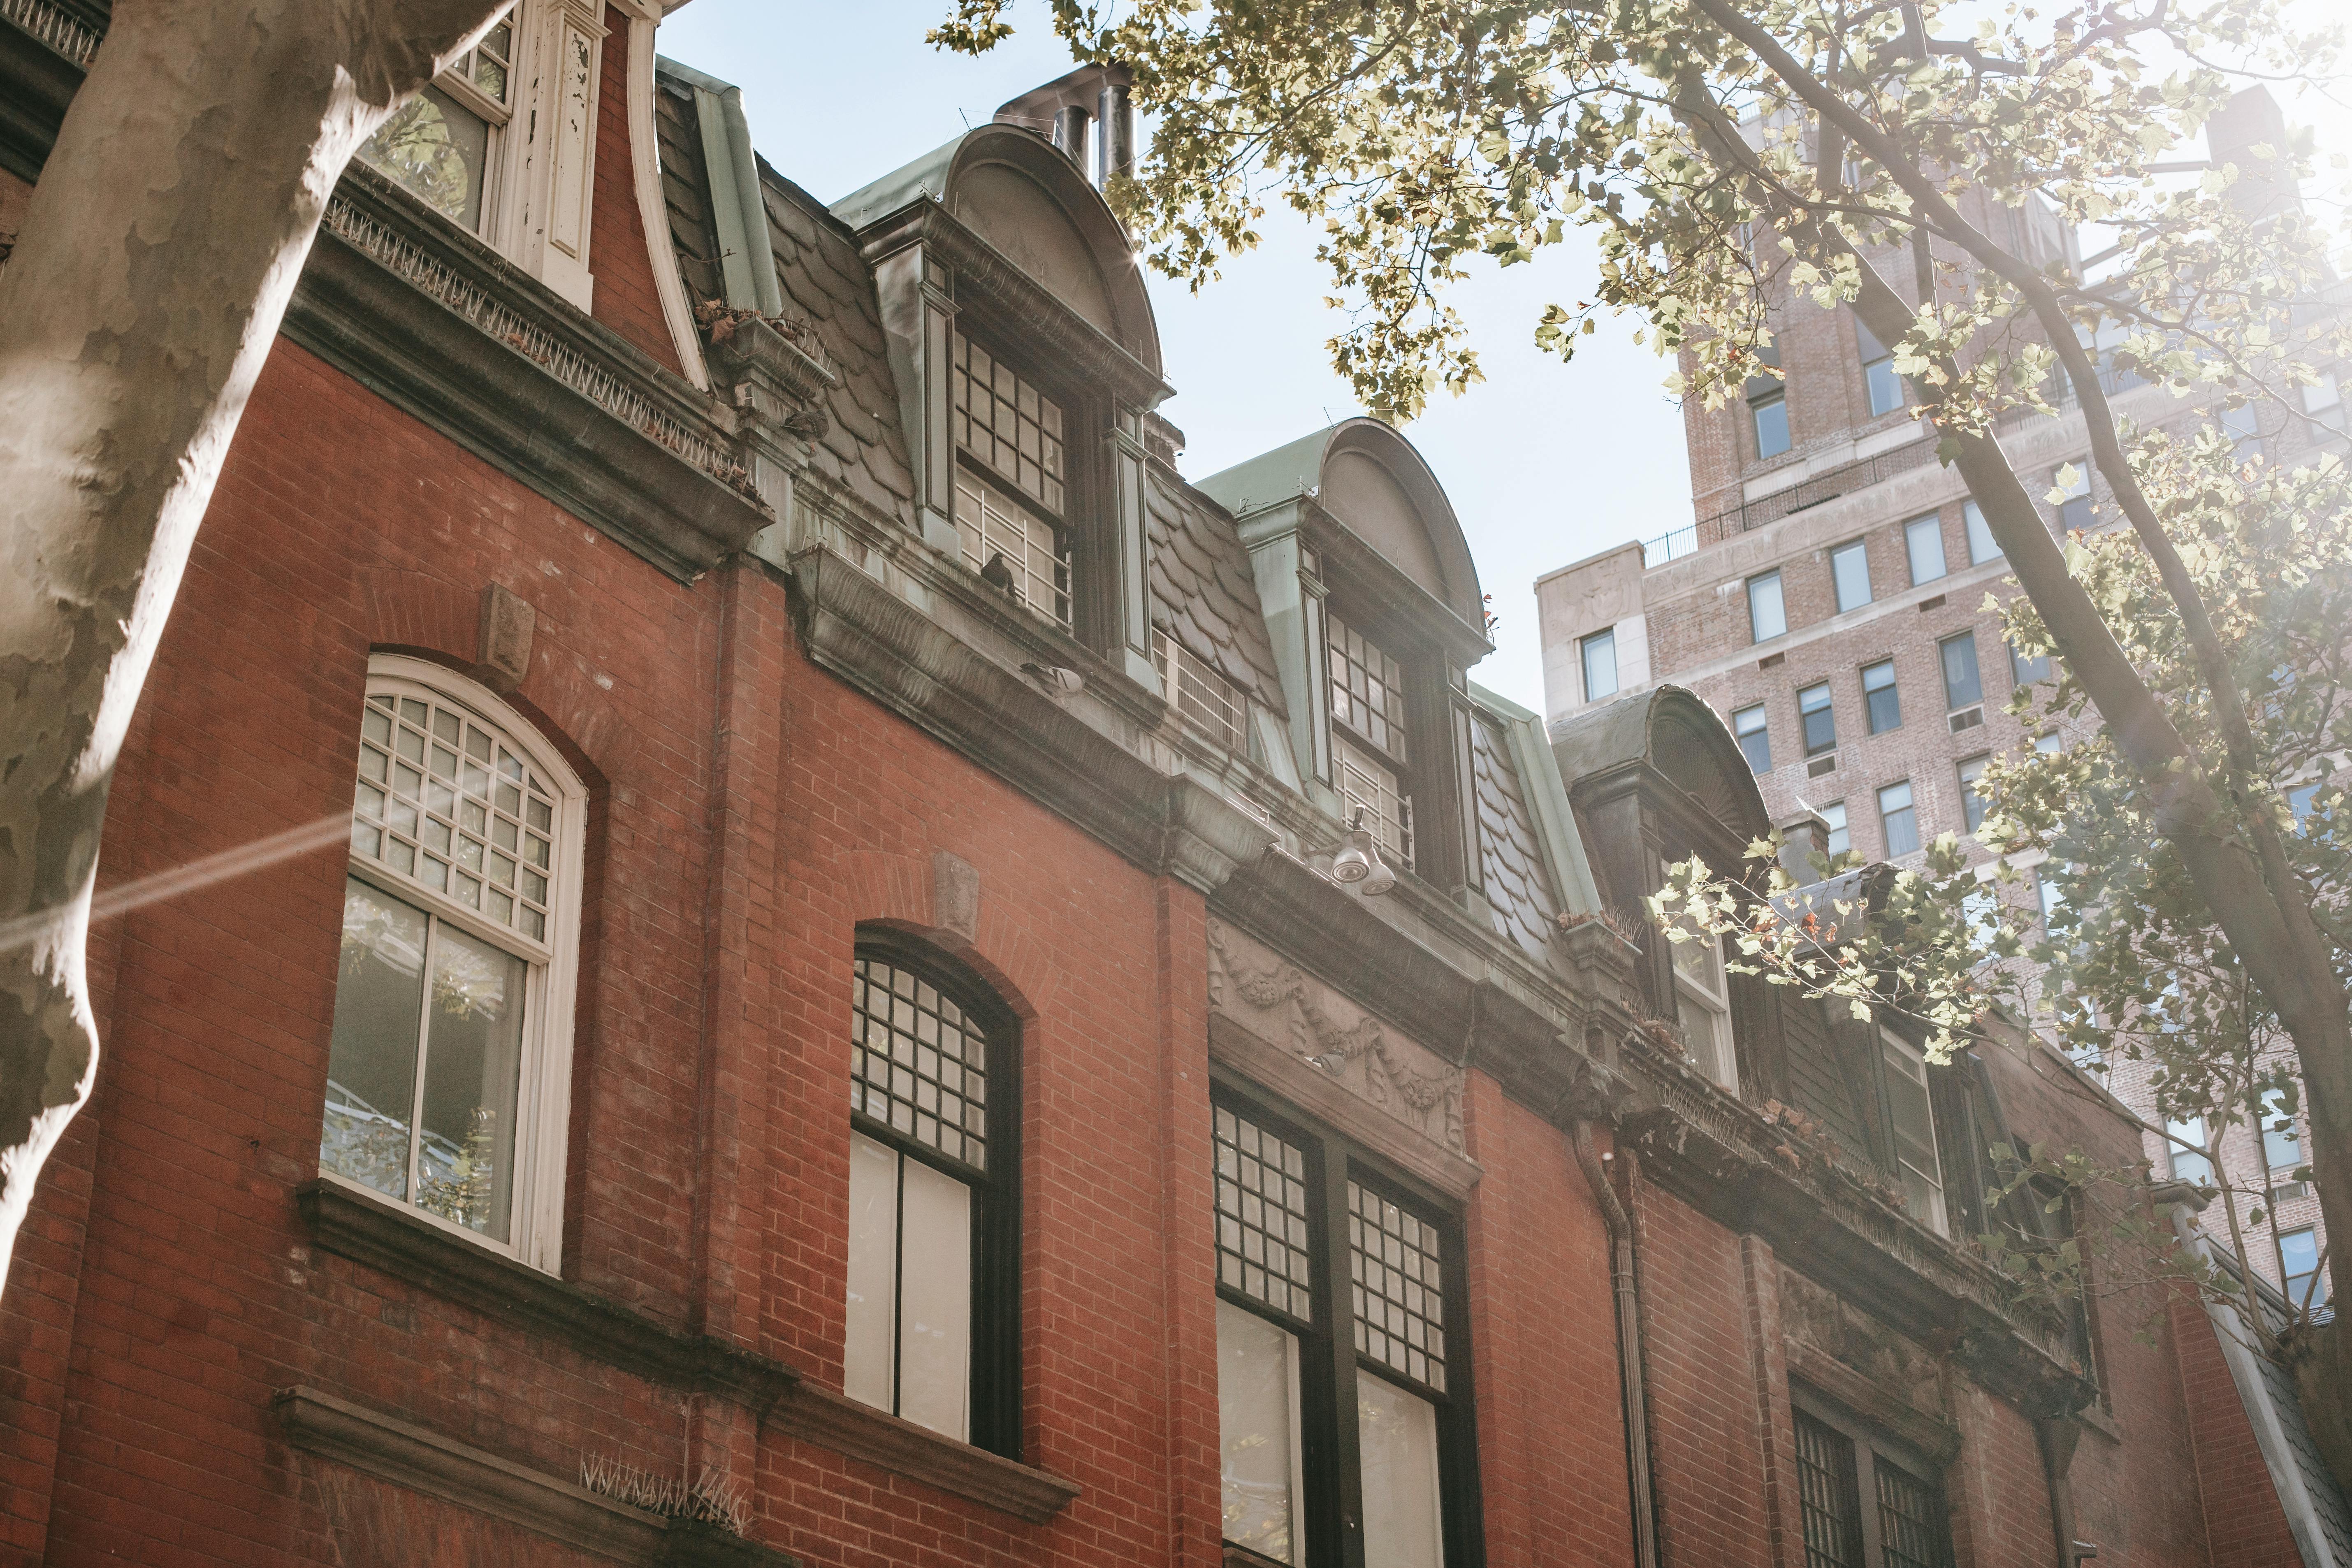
point(1966, 719)
point(1819, 765)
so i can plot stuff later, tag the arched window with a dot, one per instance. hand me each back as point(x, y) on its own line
point(449, 1080)
point(934, 1197)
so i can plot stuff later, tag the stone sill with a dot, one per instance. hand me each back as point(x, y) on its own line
point(423, 1460)
point(837, 1422)
point(370, 1231)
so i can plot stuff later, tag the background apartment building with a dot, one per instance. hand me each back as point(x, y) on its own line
point(1834, 600)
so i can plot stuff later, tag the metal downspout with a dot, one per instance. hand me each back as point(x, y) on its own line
point(1629, 1343)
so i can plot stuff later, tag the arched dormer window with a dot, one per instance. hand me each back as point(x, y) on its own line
point(934, 1196)
point(448, 1077)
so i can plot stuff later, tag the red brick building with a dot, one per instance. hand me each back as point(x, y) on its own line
point(781, 907)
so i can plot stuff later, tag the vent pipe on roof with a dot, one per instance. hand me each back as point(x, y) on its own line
point(1092, 103)
point(1117, 117)
point(1070, 123)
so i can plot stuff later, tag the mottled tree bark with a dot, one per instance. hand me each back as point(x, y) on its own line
point(146, 286)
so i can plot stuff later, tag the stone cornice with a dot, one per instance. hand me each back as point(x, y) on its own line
point(383, 1237)
point(1047, 324)
point(423, 1460)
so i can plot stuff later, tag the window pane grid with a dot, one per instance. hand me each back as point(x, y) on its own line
point(1396, 1265)
point(1388, 811)
point(993, 528)
point(1824, 1473)
point(1906, 1519)
point(1201, 697)
point(919, 1062)
point(1367, 688)
point(1262, 1208)
point(446, 803)
point(1001, 418)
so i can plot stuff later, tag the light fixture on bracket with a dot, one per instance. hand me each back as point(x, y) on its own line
point(1356, 862)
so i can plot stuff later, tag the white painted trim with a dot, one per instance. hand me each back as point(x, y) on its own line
point(543, 1103)
point(653, 208)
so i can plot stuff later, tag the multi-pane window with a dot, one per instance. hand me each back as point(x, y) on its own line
point(931, 1203)
point(2299, 1266)
point(1371, 785)
point(1011, 492)
point(2073, 483)
point(1755, 737)
point(1972, 801)
point(1839, 841)
point(1768, 615)
point(1911, 1118)
point(1819, 718)
point(1859, 1506)
point(1368, 702)
point(2025, 670)
point(1600, 653)
point(1703, 1008)
point(1202, 698)
point(1768, 413)
point(439, 145)
point(449, 1059)
point(1850, 574)
point(1923, 542)
point(1898, 818)
point(1337, 1334)
point(1963, 686)
point(1367, 688)
point(1880, 385)
point(1982, 546)
point(1880, 701)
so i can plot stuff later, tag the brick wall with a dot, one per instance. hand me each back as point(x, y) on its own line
point(625, 300)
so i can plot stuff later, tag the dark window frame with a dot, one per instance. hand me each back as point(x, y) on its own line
point(1331, 1464)
point(1805, 716)
point(1761, 733)
point(1894, 689)
point(1863, 1449)
point(1953, 698)
point(996, 1199)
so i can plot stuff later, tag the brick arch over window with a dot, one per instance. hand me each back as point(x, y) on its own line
point(883, 887)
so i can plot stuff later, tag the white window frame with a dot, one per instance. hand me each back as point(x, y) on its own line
point(1902, 1057)
point(1982, 546)
point(1777, 600)
point(1924, 537)
point(551, 970)
point(1602, 641)
point(1364, 780)
point(1198, 694)
point(1857, 550)
point(1708, 992)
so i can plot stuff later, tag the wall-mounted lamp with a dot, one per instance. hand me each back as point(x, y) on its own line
point(1356, 862)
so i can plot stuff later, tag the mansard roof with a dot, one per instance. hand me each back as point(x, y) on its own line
point(1206, 594)
point(1377, 486)
point(1673, 730)
point(1016, 191)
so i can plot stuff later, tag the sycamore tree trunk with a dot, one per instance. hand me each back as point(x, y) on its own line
point(155, 262)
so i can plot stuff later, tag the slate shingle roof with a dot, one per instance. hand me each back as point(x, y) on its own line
point(1203, 591)
point(1518, 887)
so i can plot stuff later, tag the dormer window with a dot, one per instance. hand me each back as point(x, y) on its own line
point(438, 144)
point(1205, 701)
point(1011, 482)
point(1369, 756)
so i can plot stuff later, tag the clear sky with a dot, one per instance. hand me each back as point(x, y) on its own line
point(1546, 463)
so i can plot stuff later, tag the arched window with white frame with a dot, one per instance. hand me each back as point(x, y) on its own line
point(448, 1080)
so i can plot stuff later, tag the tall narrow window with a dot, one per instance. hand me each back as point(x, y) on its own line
point(1982, 546)
point(2186, 1145)
point(2025, 670)
point(1703, 1008)
point(932, 1200)
point(439, 145)
point(2299, 1266)
point(1861, 1503)
point(1011, 484)
point(1820, 719)
point(1963, 687)
point(1337, 1332)
point(2323, 400)
point(1972, 802)
point(448, 1074)
point(2281, 1148)
point(1769, 415)
point(1600, 652)
point(1850, 575)
point(1368, 744)
point(1768, 617)
point(1911, 1117)
point(1923, 542)
point(1754, 738)
point(1879, 699)
point(2244, 428)
point(1880, 385)
point(1898, 819)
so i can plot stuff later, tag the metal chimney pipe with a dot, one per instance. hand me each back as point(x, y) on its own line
point(1070, 122)
point(1117, 118)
